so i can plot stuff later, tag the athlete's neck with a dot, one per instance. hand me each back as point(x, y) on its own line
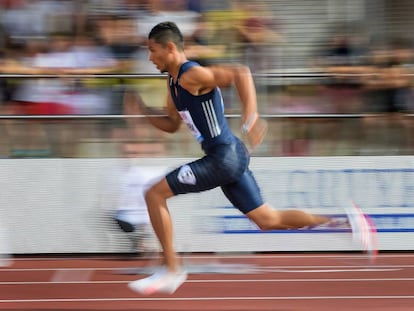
point(176, 65)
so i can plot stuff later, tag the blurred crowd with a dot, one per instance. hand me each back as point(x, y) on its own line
point(67, 37)
point(71, 38)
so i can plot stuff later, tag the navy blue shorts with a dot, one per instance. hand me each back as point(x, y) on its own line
point(225, 166)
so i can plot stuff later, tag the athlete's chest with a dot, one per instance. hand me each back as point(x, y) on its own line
point(182, 98)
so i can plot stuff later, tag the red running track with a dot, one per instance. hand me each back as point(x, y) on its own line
point(281, 282)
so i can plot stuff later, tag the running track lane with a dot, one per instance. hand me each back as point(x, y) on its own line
point(281, 282)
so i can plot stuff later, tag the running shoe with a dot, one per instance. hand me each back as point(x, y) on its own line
point(161, 282)
point(335, 223)
point(364, 233)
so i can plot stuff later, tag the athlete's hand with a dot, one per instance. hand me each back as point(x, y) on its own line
point(133, 106)
point(257, 133)
point(133, 103)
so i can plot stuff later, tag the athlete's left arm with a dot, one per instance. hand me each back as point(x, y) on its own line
point(199, 80)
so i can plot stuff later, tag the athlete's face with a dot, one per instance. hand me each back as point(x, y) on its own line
point(158, 55)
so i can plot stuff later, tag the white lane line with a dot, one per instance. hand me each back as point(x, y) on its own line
point(302, 280)
point(57, 269)
point(158, 299)
point(218, 281)
point(231, 256)
point(339, 267)
point(62, 275)
point(325, 270)
point(267, 268)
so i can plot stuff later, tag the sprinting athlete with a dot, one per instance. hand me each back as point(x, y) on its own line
point(195, 98)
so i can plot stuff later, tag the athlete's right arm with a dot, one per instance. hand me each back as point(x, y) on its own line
point(168, 123)
point(167, 120)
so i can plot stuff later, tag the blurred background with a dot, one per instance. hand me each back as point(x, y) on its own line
point(334, 77)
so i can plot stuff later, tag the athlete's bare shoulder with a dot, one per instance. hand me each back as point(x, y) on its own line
point(200, 78)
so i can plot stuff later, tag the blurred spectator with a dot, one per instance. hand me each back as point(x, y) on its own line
point(126, 8)
point(6, 88)
point(198, 44)
point(257, 34)
point(389, 96)
point(24, 19)
point(196, 5)
point(46, 96)
point(162, 10)
point(90, 96)
point(61, 54)
point(31, 96)
point(389, 78)
point(339, 51)
point(119, 35)
point(148, 142)
point(345, 58)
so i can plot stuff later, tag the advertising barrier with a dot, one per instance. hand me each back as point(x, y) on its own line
point(67, 205)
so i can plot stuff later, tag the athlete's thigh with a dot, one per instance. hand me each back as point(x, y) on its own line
point(196, 176)
point(244, 193)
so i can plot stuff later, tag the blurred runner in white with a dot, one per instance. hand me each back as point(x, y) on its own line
point(132, 214)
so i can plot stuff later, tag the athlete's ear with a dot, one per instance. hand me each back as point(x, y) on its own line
point(171, 47)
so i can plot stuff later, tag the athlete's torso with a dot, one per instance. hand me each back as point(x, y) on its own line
point(203, 114)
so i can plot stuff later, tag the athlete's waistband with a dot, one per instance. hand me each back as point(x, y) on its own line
point(213, 146)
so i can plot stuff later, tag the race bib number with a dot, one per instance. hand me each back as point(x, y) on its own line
point(185, 115)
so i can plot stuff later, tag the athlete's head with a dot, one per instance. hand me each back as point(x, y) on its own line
point(166, 32)
point(163, 39)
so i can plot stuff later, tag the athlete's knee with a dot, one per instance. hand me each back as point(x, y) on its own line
point(270, 224)
point(158, 191)
point(149, 193)
point(264, 226)
point(266, 219)
point(152, 194)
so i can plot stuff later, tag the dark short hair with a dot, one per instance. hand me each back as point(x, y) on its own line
point(165, 32)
